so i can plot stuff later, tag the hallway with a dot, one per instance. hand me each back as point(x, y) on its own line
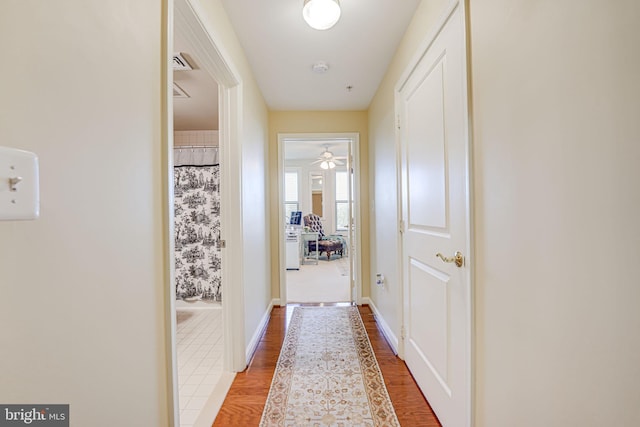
point(245, 401)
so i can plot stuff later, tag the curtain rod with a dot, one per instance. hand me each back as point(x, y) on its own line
point(194, 146)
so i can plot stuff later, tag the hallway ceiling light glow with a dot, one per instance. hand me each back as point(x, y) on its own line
point(321, 14)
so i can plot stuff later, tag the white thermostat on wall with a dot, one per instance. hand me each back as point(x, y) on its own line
point(19, 187)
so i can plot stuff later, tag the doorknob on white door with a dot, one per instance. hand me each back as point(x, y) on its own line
point(458, 258)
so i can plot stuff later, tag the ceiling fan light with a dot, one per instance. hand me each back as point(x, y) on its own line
point(331, 164)
point(321, 14)
point(324, 165)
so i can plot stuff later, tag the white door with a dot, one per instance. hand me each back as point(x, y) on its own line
point(433, 136)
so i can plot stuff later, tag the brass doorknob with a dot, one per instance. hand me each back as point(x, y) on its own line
point(457, 258)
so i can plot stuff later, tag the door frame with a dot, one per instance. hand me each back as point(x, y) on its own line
point(420, 52)
point(356, 262)
point(187, 16)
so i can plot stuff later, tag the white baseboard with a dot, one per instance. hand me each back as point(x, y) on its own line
point(386, 330)
point(255, 339)
point(275, 302)
point(365, 301)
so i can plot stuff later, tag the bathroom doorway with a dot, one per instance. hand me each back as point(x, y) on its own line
point(206, 338)
point(197, 233)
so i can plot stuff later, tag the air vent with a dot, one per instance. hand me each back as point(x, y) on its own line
point(180, 63)
point(178, 92)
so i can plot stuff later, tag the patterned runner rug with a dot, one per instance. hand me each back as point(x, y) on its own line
point(327, 374)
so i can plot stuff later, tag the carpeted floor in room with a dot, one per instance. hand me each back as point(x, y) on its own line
point(326, 282)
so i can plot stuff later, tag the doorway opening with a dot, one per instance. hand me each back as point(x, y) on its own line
point(319, 218)
point(197, 231)
point(203, 305)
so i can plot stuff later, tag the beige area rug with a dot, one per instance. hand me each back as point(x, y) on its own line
point(327, 374)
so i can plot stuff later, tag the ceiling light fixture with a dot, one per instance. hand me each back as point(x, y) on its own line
point(327, 165)
point(327, 160)
point(321, 14)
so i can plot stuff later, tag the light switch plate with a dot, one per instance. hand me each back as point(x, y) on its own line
point(19, 185)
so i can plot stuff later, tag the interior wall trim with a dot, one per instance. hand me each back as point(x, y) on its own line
point(391, 338)
point(257, 334)
point(354, 138)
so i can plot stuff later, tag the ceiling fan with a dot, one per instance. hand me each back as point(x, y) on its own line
point(327, 160)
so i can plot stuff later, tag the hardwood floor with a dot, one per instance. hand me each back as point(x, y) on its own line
point(245, 401)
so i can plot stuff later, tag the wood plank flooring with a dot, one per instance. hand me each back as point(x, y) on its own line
point(245, 401)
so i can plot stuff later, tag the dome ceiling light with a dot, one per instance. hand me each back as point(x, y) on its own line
point(321, 14)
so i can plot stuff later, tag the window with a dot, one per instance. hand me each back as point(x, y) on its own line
point(342, 201)
point(291, 200)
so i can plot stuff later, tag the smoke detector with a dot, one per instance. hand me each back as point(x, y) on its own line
point(320, 67)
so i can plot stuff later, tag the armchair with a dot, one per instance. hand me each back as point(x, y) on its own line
point(327, 244)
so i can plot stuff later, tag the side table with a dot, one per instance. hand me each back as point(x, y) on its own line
point(307, 258)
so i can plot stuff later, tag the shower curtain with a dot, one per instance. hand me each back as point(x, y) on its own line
point(197, 227)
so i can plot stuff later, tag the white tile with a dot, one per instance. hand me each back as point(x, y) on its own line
point(186, 358)
point(188, 416)
point(201, 370)
point(195, 379)
point(201, 354)
point(203, 390)
point(188, 390)
point(187, 370)
point(199, 347)
point(182, 379)
point(207, 362)
point(184, 402)
point(211, 379)
point(197, 403)
point(215, 369)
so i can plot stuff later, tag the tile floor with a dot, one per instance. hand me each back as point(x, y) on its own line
point(199, 358)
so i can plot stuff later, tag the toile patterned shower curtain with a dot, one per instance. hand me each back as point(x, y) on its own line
point(197, 233)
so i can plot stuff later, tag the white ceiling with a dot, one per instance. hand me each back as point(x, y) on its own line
point(311, 149)
point(200, 110)
point(281, 49)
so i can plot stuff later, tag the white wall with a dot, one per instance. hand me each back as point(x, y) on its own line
point(257, 283)
point(82, 288)
point(383, 185)
point(555, 125)
point(183, 138)
point(253, 174)
point(556, 108)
